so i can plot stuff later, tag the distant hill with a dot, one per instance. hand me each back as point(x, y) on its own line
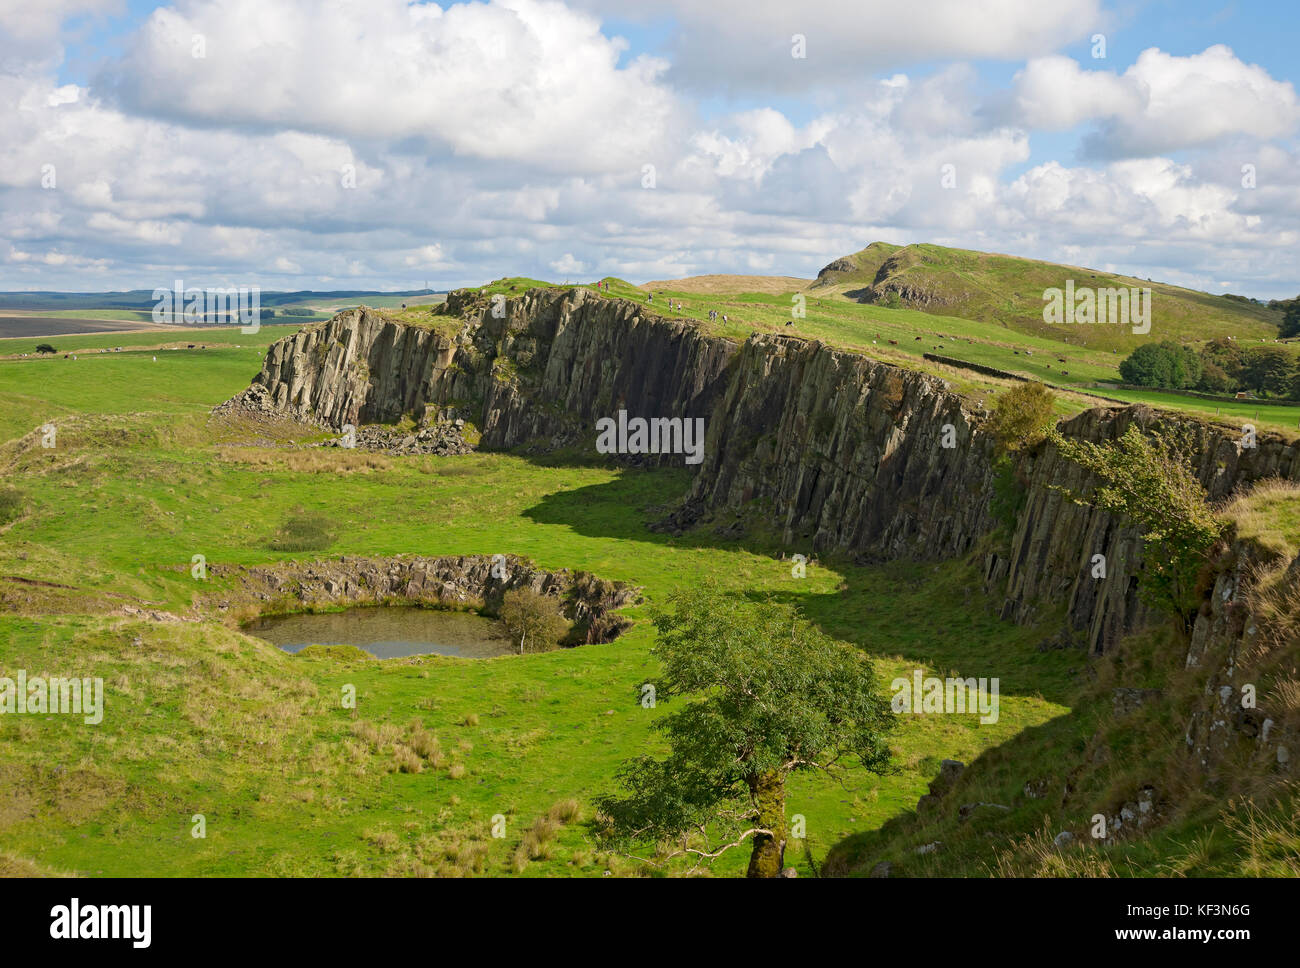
point(1008, 291)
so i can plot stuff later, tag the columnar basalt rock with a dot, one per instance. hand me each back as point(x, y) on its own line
point(850, 454)
point(545, 368)
point(843, 452)
point(1052, 553)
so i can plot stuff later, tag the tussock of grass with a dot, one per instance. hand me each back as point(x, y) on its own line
point(303, 531)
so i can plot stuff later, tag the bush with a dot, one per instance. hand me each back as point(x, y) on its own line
point(1145, 478)
point(1022, 417)
point(534, 621)
point(303, 531)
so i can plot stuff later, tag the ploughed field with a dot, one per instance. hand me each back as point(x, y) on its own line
point(206, 727)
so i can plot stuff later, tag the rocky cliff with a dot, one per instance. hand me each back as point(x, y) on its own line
point(849, 454)
point(542, 366)
point(843, 452)
point(1052, 551)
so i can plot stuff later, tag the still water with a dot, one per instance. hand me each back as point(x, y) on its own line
point(388, 633)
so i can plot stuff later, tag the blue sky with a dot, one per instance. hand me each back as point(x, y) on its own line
point(374, 151)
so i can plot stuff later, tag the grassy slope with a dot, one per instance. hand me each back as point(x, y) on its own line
point(1007, 291)
point(136, 487)
point(204, 720)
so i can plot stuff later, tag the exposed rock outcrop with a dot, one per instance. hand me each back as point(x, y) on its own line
point(464, 581)
point(543, 370)
point(843, 452)
point(1052, 551)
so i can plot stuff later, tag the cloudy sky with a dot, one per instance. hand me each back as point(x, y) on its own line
point(346, 144)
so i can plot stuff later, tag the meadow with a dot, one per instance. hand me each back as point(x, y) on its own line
point(204, 720)
point(208, 726)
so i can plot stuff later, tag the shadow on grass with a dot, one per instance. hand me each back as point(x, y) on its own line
point(934, 614)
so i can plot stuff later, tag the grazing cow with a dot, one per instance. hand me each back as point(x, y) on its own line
point(893, 342)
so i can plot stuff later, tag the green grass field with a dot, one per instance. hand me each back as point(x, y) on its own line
point(204, 720)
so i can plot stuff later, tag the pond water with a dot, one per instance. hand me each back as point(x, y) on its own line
point(387, 633)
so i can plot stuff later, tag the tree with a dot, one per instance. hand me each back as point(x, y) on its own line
point(1269, 369)
point(1022, 416)
point(1164, 364)
point(1145, 478)
point(534, 621)
point(1224, 355)
point(1290, 319)
point(45, 348)
point(770, 695)
point(1214, 379)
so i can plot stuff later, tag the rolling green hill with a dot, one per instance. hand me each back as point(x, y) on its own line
point(1007, 291)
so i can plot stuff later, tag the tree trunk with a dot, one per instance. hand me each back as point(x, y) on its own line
point(768, 856)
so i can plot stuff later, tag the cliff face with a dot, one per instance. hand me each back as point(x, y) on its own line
point(1243, 716)
point(548, 367)
point(848, 454)
point(1055, 541)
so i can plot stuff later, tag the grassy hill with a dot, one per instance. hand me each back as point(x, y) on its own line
point(1007, 292)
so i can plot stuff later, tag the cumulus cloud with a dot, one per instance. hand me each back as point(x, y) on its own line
point(1162, 103)
point(395, 142)
point(525, 80)
point(746, 45)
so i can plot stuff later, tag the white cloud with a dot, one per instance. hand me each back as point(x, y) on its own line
point(1162, 103)
point(745, 45)
point(519, 80)
point(383, 147)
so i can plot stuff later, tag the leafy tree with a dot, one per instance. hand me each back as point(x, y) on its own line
point(1269, 369)
point(770, 695)
point(1022, 416)
point(1215, 380)
point(1221, 365)
point(534, 621)
point(1164, 364)
point(1290, 319)
point(1145, 478)
point(45, 348)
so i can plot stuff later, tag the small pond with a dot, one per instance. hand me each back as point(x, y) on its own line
point(387, 633)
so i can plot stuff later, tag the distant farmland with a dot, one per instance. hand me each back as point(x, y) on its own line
point(31, 326)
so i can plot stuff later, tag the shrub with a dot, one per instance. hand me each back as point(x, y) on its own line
point(1145, 478)
point(1022, 417)
point(533, 621)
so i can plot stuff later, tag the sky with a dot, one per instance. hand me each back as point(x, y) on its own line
point(385, 144)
